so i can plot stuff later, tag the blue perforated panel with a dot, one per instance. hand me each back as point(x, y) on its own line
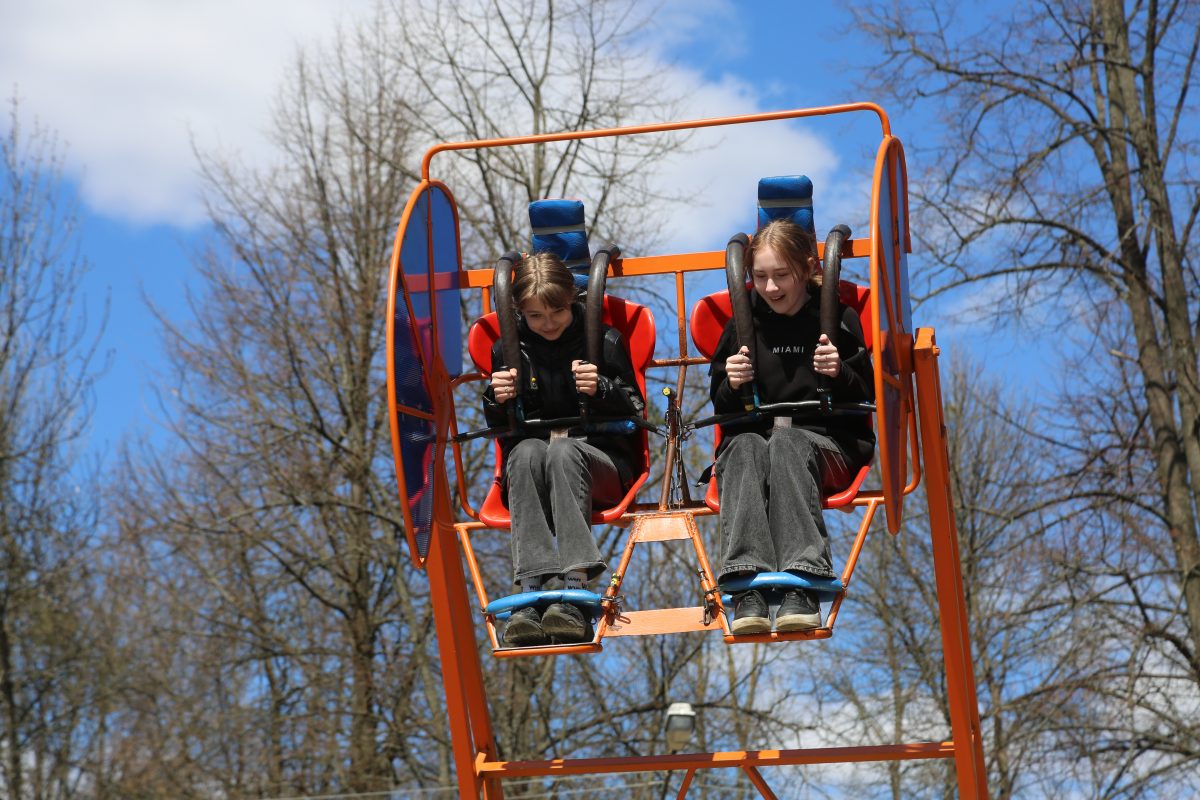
point(905, 309)
point(416, 434)
point(887, 236)
point(892, 305)
point(429, 280)
point(887, 262)
point(444, 234)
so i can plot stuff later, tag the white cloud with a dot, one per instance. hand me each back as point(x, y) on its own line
point(722, 166)
point(711, 24)
point(127, 84)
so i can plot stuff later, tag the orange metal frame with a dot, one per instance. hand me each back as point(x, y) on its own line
point(478, 768)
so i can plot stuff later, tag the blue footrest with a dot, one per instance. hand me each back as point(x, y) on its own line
point(775, 583)
point(588, 602)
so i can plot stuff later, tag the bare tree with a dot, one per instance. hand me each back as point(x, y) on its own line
point(487, 69)
point(301, 622)
point(1134, 728)
point(1067, 183)
point(48, 505)
point(1014, 598)
point(280, 502)
point(1067, 177)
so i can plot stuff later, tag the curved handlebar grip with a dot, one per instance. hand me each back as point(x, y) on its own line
point(593, 318)
point(506, 316)
point(831, 276)
point(597, 281)
point(739, 302)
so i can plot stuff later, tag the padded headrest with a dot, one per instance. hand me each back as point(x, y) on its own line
point(558, 228)
point(786, 197)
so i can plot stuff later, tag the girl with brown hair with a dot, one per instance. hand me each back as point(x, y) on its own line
point(772, 473)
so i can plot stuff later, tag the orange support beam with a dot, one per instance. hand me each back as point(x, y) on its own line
point(757, 779)
point(956, 641)
point(737, 759)
point(462, 675)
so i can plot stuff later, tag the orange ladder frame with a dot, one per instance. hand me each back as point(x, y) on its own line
point(478, 769)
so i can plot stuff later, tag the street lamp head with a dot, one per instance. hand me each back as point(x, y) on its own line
point(681, 721)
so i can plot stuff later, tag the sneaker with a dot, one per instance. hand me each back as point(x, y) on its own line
point(750, 613)
point(566, 624)
point(524, 629)
point(799, 611)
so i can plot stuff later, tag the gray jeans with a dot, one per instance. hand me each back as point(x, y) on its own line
point(771, 501)
point(551, 486)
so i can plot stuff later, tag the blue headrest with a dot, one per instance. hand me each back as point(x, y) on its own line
point(787, 197)
point(558, 228)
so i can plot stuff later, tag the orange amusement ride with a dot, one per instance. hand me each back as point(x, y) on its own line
point(425, 363)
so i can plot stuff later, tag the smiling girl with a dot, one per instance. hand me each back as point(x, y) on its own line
point(772, 474)
point(551, 482)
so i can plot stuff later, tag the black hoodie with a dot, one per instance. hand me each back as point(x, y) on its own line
point(552, 392)
point(783, 373)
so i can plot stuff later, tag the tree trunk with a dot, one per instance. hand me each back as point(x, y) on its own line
point(1169, 378)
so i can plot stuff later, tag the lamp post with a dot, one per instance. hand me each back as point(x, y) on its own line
point(680, 722)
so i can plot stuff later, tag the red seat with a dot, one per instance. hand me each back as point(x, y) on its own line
point(636, 324)
point(708, 320)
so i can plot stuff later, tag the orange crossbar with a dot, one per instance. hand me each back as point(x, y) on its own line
point(661, 620)
point(718, 760)
point(661, 127)
point(633, 266)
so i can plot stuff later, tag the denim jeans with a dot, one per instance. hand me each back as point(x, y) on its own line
point(771, 501)
point(551, 487)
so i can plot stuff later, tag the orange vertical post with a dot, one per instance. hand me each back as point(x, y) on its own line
point(437, 565)
point(462, 674)
point(956, 643)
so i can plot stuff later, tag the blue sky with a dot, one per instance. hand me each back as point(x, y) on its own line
point(130, 85)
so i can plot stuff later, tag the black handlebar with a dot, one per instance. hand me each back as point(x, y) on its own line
point(609, 425)
point(831, 276)
point(593, 316)
point(506, 316)
point(817, 407)
point(739, 303)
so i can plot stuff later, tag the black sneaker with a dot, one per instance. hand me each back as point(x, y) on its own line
point(799, 611)
point(750, 613)
point(524, 629)
point(566, 624)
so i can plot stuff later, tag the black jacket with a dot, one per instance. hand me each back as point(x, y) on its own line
point(552, 394)
point(783, 373)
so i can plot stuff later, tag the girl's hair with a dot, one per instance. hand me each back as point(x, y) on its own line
point(543, 277)
point(791, 243)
